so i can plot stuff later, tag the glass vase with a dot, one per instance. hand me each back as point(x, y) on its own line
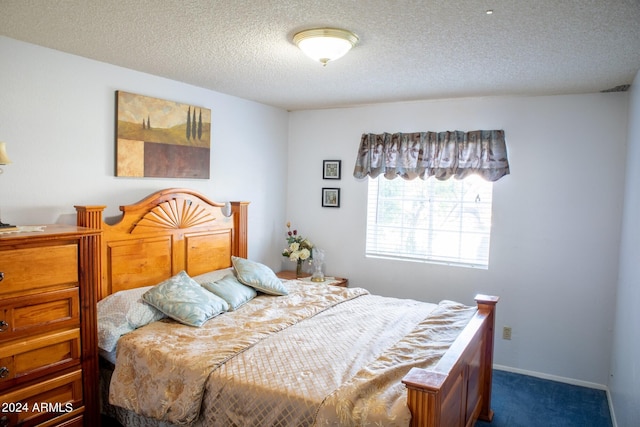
point(299, 269)
point(318, 263)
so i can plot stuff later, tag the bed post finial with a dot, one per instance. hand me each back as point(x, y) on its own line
point(89, 216)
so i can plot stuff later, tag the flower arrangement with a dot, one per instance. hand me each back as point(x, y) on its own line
point(298, 248)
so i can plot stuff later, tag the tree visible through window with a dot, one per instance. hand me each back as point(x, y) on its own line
point(430, 220)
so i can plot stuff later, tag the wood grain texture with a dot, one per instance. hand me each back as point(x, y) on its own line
point(457, 391)
point(48, 338)
point(167, 232)
point(179, 229)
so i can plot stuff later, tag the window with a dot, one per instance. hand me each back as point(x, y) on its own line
point(429, 220)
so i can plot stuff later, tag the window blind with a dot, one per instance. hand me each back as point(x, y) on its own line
point(430, 220)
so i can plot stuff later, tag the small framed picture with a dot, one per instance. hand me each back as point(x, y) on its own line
point(331, 169)
point(331, 197)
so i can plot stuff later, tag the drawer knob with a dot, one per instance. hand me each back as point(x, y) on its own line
point(1, 276)
point(4, 372)
point(3, 326)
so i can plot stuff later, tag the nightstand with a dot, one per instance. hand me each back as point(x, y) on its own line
point(335, 281)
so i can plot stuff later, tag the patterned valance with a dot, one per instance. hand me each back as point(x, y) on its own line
point(438, 154)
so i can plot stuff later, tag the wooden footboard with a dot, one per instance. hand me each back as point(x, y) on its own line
point(457, 391)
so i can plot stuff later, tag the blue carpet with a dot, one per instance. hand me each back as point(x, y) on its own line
point(525, 401)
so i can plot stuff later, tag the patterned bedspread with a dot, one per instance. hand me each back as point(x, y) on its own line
point(322, 355)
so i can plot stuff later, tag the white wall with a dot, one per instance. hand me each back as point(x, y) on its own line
point(57, 117)
point(625, 366)
point(556, 219)
point(554, 253)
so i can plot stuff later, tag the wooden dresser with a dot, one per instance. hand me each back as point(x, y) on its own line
point(48, 335)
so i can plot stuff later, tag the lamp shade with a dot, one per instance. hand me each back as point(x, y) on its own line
point(4, 158)
point(325, 44)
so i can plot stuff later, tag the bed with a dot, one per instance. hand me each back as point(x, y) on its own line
point(284, 356)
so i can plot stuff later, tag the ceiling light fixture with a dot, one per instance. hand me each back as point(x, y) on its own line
point(325, 44)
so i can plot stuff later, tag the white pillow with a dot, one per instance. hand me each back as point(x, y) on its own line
point(121, 313)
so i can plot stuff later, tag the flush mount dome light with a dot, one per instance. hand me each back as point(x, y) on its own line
point(325, 44)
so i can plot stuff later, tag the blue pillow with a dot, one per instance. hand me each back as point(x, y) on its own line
point(258, 276)
point(232, 291)
point(184, 300)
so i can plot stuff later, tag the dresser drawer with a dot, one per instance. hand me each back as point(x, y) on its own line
point(52, 398)
point(22, 316)
point(30, 270)
point(22, 361)
point(73, 419)
point(48, 336)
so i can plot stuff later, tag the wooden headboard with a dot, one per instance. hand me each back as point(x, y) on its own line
point(169, 231)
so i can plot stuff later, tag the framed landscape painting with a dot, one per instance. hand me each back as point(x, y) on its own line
point(162, 139)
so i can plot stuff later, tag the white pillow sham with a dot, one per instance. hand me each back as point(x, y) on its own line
point(121, 313)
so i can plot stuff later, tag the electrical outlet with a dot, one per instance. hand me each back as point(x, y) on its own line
point(506, 333)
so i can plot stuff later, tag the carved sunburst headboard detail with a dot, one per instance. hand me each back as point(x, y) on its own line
point(174, 213)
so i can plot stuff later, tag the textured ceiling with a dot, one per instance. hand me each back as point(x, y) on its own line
point(408, 50)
